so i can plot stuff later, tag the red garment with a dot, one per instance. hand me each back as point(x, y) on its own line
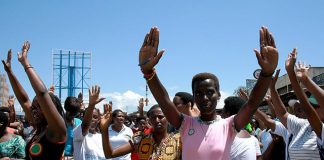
point(11, 130)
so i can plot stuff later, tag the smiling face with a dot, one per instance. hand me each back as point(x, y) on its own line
point(95, 120)
point(158, 120)
point(206, 96)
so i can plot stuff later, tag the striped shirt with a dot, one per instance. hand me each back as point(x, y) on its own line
point(303, 144)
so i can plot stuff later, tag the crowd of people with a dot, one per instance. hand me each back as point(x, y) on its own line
point(190, 126)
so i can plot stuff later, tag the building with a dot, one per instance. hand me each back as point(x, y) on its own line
point(4, 90)
point(284, 87)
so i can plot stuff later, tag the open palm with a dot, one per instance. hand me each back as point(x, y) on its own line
point(148, 55)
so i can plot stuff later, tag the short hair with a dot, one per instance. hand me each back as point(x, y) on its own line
point(186, 97)
point(204, 76)
point(233, 104)
point(72, 104)
point(138, 119)
point(149, 112)
point(116, 111)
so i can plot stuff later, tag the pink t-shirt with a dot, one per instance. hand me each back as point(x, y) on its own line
point(204, 142)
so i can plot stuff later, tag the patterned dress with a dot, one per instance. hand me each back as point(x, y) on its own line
point(169, 148)
point(14, 148)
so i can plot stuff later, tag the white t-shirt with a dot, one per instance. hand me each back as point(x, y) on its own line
point(245, 148)
point(303, 144)
point(320, 141)
point(119, 138)
point(87, 147)
point(281, 130)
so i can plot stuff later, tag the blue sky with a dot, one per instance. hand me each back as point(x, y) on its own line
point(215, 36)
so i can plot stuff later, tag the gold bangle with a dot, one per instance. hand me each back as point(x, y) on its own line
point(28, 67)
point(150, 78)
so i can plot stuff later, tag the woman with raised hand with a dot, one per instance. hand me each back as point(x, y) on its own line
point(87, 138)
point(207, 136)
point(313, 113)
point(156, 145)
point(45, 111)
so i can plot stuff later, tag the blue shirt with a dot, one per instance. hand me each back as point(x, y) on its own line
point(68, 151)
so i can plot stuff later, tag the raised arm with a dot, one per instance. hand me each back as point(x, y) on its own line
point(107, 148)
point(311, 114)
point(93, 100)
point(278, 105)
point(140, 107)
point(148, 58)
point(302, 75)
point(56, 125)
point(268, 122)
point(268, 61)
point(19, 91)
point(11, 106)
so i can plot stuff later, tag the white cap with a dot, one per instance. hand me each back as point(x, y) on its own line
point(292, 102)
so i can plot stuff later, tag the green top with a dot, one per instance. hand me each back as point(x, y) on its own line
point(14, 148)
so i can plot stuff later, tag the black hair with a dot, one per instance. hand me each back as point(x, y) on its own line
point(138, 119)
point(55, 100)
point(72, 104)
point(152, 108)
point(4, 123)
point(5, 109)
point(57, 103)
point(116, 111)
point(186, 97)
point(204, 76)
point(233, 104)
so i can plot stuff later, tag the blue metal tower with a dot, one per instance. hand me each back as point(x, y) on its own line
point(71, 72)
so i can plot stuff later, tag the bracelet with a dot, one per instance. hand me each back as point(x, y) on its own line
point(146, 75)
point(266, 75)
point(28, 67)
point(154, 73)
point(149, 76)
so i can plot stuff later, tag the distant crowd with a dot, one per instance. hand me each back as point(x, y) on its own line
point(188, 127)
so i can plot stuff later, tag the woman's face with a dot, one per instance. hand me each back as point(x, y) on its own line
point(95, 119)
point(36, 112)
point(158, 120)
point(119, 118)
point(206, 96)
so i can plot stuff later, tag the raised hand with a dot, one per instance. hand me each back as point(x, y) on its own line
point(274, 80)
point(80, 97)
point(22, 57)
point(106, 119)
point(52, 88)
point(11, 101)
point(268, 56)
point(106, 108)
point(149, 55)
point(302, 70)
point(7, 64)
point(94, 96)
point(243, 94)
point(291, 60)
point(140, 104)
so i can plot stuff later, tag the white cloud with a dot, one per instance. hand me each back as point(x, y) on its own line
point(224, 95)
point(127, 101)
